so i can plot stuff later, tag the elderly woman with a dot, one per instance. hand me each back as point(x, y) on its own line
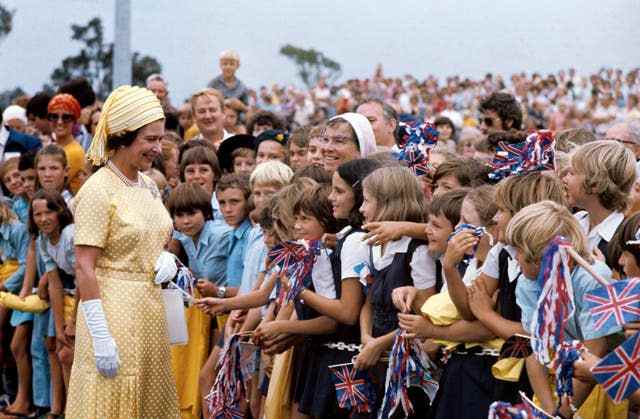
point(348, 136)
point(63, 112)
point(122, 367)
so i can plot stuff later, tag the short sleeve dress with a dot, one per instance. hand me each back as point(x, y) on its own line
point(131, 226)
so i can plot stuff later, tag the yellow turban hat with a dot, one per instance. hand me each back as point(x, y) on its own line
point(127, 108)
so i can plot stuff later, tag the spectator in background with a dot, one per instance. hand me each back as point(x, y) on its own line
point(628, 134)
point(15, 117)
point(227, 82)
point(207, 106)
point(185, 119)
point(160, 87)
point(384, 121)
point(63, 113)
point(12, 141)
point(232, 122)
point(262, 121)
point(37, 116)
point(82, 91)
point(500, 111)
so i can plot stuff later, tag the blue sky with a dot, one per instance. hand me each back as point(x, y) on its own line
point(418, 37)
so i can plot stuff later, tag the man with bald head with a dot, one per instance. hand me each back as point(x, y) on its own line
point(628, 133)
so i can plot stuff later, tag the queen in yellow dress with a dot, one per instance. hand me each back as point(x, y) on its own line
point(122, 366)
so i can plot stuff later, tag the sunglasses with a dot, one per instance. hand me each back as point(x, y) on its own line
point(487, 121)
point(65, 117)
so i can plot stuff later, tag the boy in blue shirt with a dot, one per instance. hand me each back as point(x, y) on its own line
point(529, 232)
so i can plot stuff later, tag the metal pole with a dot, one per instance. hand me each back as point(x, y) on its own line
point(122, 44)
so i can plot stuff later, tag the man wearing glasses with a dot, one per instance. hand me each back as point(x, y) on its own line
point(627, 133)
point(500, 112)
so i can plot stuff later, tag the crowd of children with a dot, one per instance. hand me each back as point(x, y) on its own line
point(444, 251)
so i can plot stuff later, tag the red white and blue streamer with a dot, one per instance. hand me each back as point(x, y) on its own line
point(409, 366)
point(555, 303)
point(229, 388)
point(536, 153)
point(566, 354)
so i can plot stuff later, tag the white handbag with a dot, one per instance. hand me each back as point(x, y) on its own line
point(176, 322)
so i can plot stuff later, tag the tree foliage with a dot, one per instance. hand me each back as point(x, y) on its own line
point(312, 64)
point(95, 61)
point(6, 21)
point(7, 97)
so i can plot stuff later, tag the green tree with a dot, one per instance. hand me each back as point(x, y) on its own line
point(6, 21)
point(95, 60)
point(312, 64)
point(7, 97)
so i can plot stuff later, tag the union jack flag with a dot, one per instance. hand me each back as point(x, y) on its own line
point(615, 304)
point(424, 134)
point(536, 153)
point(619, 371)
point(417, 161)
point(284, 255)
point(354, 390)
point(516, 346)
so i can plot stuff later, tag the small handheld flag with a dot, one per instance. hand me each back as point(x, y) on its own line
point(615, 304)
point(516, 346)
point(619, 371)
point(354, 390)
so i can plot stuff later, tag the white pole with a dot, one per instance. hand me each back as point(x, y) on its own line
point(122, 44)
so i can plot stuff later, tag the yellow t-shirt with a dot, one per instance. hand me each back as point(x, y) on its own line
point(76, 163)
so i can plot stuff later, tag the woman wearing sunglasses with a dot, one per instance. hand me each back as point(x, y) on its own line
point(63, 113)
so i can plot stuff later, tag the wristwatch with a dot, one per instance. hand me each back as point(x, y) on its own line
point(222, 292)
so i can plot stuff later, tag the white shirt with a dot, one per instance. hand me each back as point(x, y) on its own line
point(603, 231)
point(354, 254)
point(423, 266)
point(491, 265)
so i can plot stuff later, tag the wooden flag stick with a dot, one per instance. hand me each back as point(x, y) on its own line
point(587, 266)
point(184, 293)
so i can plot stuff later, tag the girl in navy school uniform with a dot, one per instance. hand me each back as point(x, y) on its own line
point(311, 380)
point(392, 194)
point(349, 253)
point(460, 396)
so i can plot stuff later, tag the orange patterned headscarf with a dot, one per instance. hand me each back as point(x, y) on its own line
point(66, 103)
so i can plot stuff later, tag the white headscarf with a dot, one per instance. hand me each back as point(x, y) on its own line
point(362, 127)
point(14, 112)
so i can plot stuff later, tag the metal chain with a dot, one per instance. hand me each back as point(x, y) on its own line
point(341, 346)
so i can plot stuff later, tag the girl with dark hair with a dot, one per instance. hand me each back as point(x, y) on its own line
point(350, 252)
point(51, 223)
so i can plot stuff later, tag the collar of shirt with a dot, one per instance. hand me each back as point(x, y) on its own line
point(605, 230)
point(240, 231)
point(5, 231)
point(397, 246)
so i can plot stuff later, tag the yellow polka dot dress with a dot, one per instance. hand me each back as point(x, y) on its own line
point(131, 226)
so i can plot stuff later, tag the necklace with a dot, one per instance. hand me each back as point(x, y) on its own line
point(121, 175)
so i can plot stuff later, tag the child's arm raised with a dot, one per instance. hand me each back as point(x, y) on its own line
point(253, 299)
point(381, 232)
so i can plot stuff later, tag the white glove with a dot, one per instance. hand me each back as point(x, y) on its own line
point(104, 347)
point(166, 268)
